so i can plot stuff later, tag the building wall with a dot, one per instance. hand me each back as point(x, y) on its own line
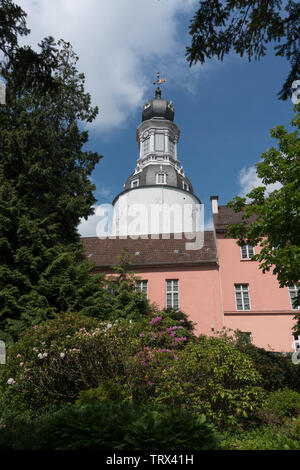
point(199, 293)
point(271, 317)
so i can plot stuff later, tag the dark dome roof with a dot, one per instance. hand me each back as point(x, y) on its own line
point(147, 177)
point(158, 107)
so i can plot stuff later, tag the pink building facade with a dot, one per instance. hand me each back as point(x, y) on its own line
point(268, 315)
point(217, 286)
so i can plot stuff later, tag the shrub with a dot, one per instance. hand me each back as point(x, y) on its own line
point(52, 362)
point(126, 426)
point(107, 425)
point(214, 378)
point(262, 438)
point(277, 371)
point(283, 403)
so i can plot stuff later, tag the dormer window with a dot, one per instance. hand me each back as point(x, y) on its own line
point(135, 183)
point(185, 186)
point(161, 178)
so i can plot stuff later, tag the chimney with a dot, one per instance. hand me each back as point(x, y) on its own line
point(214, 204)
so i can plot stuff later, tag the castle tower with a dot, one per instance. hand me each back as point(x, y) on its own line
point(157, 196)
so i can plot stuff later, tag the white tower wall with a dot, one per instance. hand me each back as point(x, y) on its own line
point(154, 210)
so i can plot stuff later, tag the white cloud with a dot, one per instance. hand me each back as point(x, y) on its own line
point(87, 228)
point(99, 224)
point(119, 42)
point(249, 180)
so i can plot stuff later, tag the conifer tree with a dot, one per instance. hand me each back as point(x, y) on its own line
point(44, 191)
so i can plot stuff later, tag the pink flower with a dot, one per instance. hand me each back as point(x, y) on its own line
point(181, 339)
point(154, 320)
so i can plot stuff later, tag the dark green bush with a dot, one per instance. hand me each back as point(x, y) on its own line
point(261, 438)
point(111, 426)
point(213, 377)
point(277, 370)
point(283, 403)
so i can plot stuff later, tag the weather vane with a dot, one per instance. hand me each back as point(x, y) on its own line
point(159, 80)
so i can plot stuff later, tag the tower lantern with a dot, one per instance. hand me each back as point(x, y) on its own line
point(158, 188)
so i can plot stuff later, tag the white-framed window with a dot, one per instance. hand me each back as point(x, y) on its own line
point(161, 178)
point(185, 186)
point(293, 291)
point(135, 183)
point(142, 286)
point(247, 251)
point(242, 296)
point(172, 293)
point(159, 142)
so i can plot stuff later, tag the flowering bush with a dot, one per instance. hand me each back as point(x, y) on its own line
point(52, 362)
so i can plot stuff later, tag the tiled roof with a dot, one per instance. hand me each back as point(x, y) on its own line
point(149, 252)
point(227, 216)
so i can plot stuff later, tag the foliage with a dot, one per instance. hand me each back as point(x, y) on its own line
point(261, 438)
point(247, 27)
point(214, 378)
point(44, 192)
point(107, 425)
point(283, 403)
point(122, 299)
point(275, 228)
point(53, 361)
point(30, 67)
point(277, 371)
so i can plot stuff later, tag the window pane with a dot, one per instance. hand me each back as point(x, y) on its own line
point(251, 251)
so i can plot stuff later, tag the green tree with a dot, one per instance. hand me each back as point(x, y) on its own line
point(247, 27)
point(44, 191)
point(276, 227)
point(29, 66)
point(122, 299)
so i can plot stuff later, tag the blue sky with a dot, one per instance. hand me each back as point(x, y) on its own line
point(225, 110)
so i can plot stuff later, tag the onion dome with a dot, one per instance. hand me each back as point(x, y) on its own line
point(158, 108)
